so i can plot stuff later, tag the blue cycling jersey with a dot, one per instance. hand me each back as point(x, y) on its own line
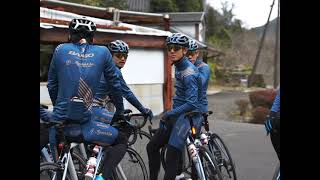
point(103, 90)
point(188, 89)
point(276, 103)
point(75, 70)
point(204, 72)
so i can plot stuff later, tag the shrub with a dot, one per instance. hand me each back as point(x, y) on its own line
point(259, 114)
point(258, 81)
point(242, 105)
point(262, 98)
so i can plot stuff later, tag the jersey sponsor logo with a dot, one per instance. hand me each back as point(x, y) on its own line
point(106, 133)
point(68, 62)
point(84, 65)
point(81, 55)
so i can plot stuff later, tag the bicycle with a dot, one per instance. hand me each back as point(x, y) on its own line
point(198, 157)
point(219, 151)
point(58, 171)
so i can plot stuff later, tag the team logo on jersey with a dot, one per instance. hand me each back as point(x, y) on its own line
point(73, 53)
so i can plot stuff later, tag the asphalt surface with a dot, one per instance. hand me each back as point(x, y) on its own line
point(251, 149)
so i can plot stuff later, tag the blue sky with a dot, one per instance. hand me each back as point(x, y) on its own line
point(253, 13)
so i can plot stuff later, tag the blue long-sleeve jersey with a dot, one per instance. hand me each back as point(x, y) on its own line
point(188, 89)
point(276, 103)
point(103, 90)
point(75, 70)
point(204, 72)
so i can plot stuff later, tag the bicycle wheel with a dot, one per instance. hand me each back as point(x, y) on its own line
point(79, 164)
point(222, 155)
point(209, 164)
point(51, 171)
point(133, 166)
point(140, 145)
point(186, 161)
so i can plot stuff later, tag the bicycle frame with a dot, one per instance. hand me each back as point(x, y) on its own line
point(100, 157)
point(196, 159)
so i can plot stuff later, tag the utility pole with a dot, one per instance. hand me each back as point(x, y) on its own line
point(259, 49)
point(275, 71)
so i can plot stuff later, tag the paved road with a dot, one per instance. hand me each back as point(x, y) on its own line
point(223, 103)
point(251, 149)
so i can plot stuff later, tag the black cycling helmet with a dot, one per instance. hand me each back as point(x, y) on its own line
point(178, 38)
point(118, 46)
point(81, 28)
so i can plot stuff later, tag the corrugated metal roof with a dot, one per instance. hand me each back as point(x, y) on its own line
point(175, 30)
point(186, 16)
point(67, 16)
point(139, 5)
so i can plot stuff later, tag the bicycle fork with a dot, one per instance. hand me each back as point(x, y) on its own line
point(197, 162)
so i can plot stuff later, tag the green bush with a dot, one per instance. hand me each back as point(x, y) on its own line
point(258, 81)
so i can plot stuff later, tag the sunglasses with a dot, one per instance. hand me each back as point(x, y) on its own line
point(191, 53)
point(120, 55)
point(174, 47)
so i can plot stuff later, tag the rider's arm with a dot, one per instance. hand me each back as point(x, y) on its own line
point(113, 81)
point(53, 78)
point(191, 96)
point(130, 97)
point(204, 72)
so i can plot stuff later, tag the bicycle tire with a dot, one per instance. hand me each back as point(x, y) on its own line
point(143, 138)
point(128, 161)
point(80, 167)
point(52, 168)
point(133, 158)
point(209, 164)
point(186, 164)
point(227, 162)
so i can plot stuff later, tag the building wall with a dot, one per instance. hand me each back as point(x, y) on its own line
point(189, 30)
point(144, 74)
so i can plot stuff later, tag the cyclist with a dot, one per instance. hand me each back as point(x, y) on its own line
point(119, 51)
point(174, 127)
point(204, 71)
point(272, 125)
point(74, 74)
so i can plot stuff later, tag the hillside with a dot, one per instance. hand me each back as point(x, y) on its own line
point(271, 28)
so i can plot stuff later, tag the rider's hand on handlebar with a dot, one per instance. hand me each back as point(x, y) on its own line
point(148, 113)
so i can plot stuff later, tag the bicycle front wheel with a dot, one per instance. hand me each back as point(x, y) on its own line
point(143, 138)
point(209, 164)
point(51, 171)
point(132, 167)
point(223, 156)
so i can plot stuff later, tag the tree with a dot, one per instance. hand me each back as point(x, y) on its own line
point(189, 5)
point(163, 6)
